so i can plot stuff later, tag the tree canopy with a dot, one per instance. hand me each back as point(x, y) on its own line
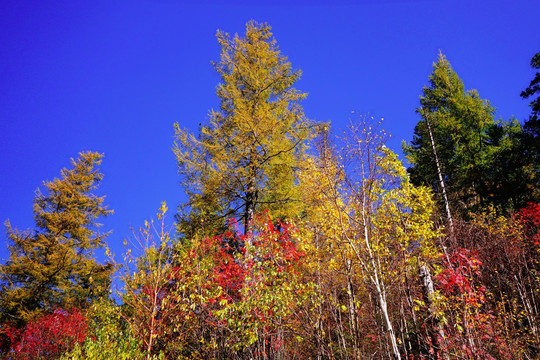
point(245, 159)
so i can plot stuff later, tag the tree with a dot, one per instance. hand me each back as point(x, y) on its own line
point(371, 231)
point(534, 89)
point(146, 285)
point(509, 180)
point(53, 266)
point(392, 228)
point(448, 151)
point(531, 133)
point(245, 160)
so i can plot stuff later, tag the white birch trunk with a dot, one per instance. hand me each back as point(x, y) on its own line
point(441, 179)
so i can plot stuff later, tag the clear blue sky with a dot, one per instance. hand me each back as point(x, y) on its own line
point(113, 76)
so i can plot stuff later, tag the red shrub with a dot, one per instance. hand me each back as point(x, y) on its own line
point(48, 336)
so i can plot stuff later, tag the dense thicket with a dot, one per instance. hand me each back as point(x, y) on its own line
point(335, 251)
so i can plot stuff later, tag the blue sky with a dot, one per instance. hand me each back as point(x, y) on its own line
point(113, 76)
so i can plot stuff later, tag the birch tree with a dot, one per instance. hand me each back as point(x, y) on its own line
point(376, 225)
point(392, 218)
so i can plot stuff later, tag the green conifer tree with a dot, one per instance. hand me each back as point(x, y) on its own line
point(470, 160)
point(245, 159)
point(448, 149)
point(532, 91)
point(510, 177)
point(531, 135)
point(53, 265)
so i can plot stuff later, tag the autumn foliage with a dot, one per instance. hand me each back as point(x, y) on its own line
point(48, 336)
point(234, 296)
point(294, 244)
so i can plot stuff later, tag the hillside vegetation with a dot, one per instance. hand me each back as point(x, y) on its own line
point(295, 243)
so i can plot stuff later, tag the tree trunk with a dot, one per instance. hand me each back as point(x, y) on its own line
point(439, 173)
point(249, 211)
point(379, 286)
point(436, 332)
point(352, 311)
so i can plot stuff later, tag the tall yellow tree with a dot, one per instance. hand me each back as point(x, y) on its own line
point(53, 265)
point(245, 159)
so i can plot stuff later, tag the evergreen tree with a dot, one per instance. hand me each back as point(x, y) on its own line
point(470, 160)
point(245, 159)
point(531, 133)
point(453, 130)
point(509, 180)
point(53, 265)
point(534, 89)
